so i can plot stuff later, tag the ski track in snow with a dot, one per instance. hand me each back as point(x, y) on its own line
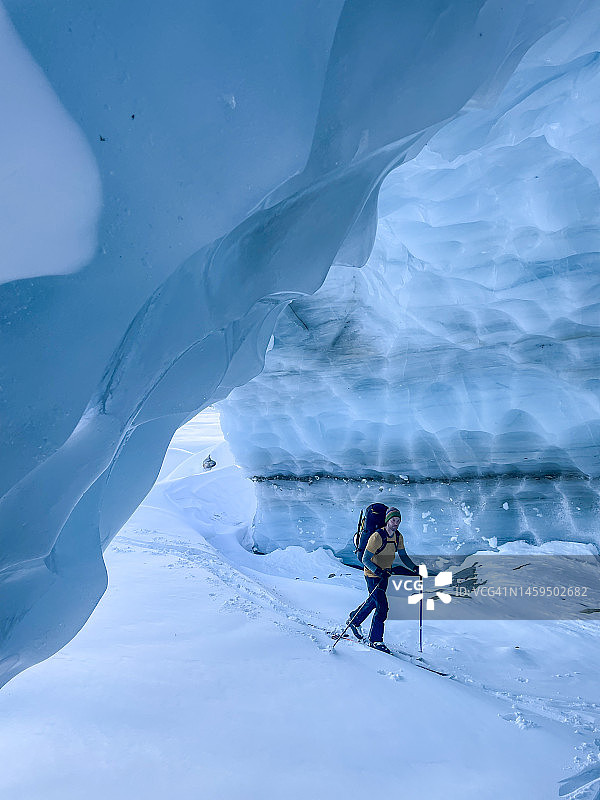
point(254, 600)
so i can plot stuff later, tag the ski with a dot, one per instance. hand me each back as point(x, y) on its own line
point(401, 655)
point(419, 662)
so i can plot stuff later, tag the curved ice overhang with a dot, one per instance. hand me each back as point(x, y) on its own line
point(233, 171)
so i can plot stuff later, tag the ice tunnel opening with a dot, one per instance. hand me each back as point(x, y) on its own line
point(200, 488)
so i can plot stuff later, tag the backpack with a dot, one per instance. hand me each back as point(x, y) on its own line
point(369, 521)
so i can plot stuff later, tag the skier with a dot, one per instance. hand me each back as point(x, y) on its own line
point(378, 559)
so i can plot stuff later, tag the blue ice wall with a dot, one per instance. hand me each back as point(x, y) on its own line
point(457, 372)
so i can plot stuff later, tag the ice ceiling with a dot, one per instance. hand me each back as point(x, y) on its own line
point(174, 177)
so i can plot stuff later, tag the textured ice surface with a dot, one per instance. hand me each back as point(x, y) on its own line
point(467, 348)
point(437, 516)
point(233, 170)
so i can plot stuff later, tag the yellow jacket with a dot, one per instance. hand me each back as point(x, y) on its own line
point(385, 558)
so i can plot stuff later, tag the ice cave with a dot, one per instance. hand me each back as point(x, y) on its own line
point(264, 264)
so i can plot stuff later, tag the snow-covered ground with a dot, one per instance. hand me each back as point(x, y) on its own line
point(206, 672)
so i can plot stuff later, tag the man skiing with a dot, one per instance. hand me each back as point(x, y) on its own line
point(378, 559)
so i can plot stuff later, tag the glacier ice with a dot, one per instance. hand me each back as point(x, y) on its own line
point(234, 170)
point(465, 355)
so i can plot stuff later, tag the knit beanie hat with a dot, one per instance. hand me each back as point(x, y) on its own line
point(392, 512)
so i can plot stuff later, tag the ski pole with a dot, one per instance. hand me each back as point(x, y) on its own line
point(358, 610)
point(421, 622)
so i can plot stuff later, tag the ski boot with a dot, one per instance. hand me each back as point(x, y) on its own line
point(380, 646)
point(356, 630)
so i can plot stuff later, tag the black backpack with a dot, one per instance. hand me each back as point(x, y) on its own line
point(370, 520)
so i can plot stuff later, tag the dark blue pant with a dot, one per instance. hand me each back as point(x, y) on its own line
point(378, 602)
